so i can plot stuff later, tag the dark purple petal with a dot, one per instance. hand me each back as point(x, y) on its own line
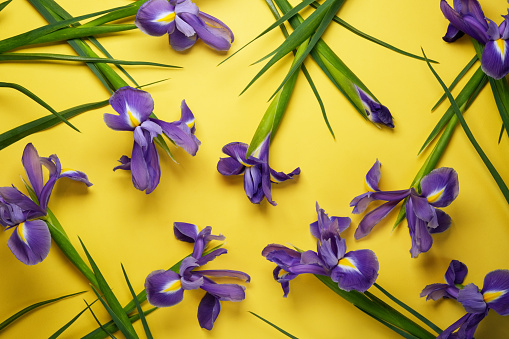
point(238, 151)
point(145, 168)
point(186, 116)
point(134, 106)
point(311, 269)
point(230, 166)
point(470, 21)
point(216, 28)
point(180, 134)
point(496, 291)
point(125, 163)
point(154, 17)
point(211, 256)
point(164, 288)
point(225, 273)
point(456, 272)
point(54, 168)
point(373, 176)
point(472, 299)
point(212, 31)
point(374, 217)
point(466, 326)
point(180, 42)
point(225, 292)
point(252, 184)
point(421, 238)
point(357, 270)
point(331, 250)
point(276, 247)
point(33, 168)
point(444, 222)
point(326, 227)
point(423, 210)
point(30, 242)
point(495, 59)
point(76, 176)
point(375, 111)
point(452, 34)
point(361, 202)
point(278, 177)
point(13, 196)
point(437, 291)
point(185, 232)
point(440, 187)
point(310, 257)
point(391, 195)
point(11, 214)
point(208, 310)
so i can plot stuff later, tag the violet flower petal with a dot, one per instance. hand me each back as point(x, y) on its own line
point(374, 217)
point(33, 168)
point(163, 288)
point(357, 270)
point(185, 231)
point(208, 310)
point(134, 106)
point(456, 272)
point(421, 239)
point(472, 299)
point(440, 187)
point(225, 273)
point(225, 292)
point(496, 291)
point(76, 176)
point(154, 17)
point(180, 42)
point(495, 58)
point(30, 242)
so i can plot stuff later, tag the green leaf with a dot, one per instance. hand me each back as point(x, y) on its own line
point(27, 37)
point(30, 308)
point(116, 320)
point(271, 324)
point(303, 68)
point(298, 36)
point(4, 4)
point(371, 38)
point(500, 182)
point(456, 80)
point(110, 301)
point(41, 124)
point(110, 326)
point(416, 314)
point(392, 327)
point(278, 22)
point(69, 323)
point(36, 99)
point(138, 306)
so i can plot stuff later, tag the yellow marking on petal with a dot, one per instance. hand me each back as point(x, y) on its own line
point(282, 273)
point(501, 45)
point(173, 287)
point(434, 197)
point(346, 262)
point(368, 187)
point(491, 296)
point(132, 119)
point(167, 18)
point(190, 124)
point(66, 170)
point(20, 230)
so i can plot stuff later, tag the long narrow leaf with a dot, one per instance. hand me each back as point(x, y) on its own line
point(69, 323)
point(25, 38)
point(271, 324)
point(5, 3)
point(30, 308)
point(36, 99)
point(110, 326)
point(392, 327)
point(138, 306)
point(64, 57)
point(111, 302)
point(112, 314)
point(500, 182)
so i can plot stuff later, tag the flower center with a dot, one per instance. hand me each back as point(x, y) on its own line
point(346, 262)
point(491, 296)
point(501, 45)
point(134, 122)
point(167, 18)
point(173, 286)
point(435, 196)
point(21, 232)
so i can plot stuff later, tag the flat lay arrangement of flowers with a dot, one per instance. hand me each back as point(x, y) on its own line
point(278, 168)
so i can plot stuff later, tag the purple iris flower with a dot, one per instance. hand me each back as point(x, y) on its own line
point(258, 176)
point(184, 23)
point(438, 189)
point(354, 270)
point(134, 107)
point(375, 111)
point(30, 241)
point(468, 17)
point(166, 288)
point(477, 302)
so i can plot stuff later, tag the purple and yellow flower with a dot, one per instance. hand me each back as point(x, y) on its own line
point(477, 302)
point(166, 288)
point(354, 270)
point(438, 189)
point(184, 23)
point(258, 176)
point(134, 108)
point(30, 241)
point(467, 17)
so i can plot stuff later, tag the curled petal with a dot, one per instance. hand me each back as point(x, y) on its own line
point(180, 42)
point(437, 291)
point(456, 272)
point(134, 106)
point(444, 222)
point(208, 310)
point(357, 270)
point(472, 299)
point(33, 169)
point(230, 166)
point(212, 31)
point(423, 210)
point(238, 151)
point(125, 163)
point(13, 196)
point(276, 247)
point(76, 176)
point(164, 288)
point(30, 242)
point(145, 169)
point(496, 291)
point(155, 17)
point(185, 231)
point(373, 176)
point(180, 134)
point(211, 256)
point(440, 187)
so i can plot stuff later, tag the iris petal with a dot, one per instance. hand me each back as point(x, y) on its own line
point(163, 288)
point(208, 310)
point(357, 270)
point(496, 291)
point(30, 242)
point(153, 17)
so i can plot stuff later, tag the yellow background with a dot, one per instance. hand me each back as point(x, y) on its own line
point(119, 224)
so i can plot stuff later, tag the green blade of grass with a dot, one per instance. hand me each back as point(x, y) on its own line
point(112, 314)
point(64, 57)
point(27, 37)
point(110, 326)
point(392, 327)
point(4, 4)
point(271, 324)
point(498, 179)
point(368, 37)
point(456, 80)
point(32, 307)
point(110, 301)
point(278, 22)
point(69, 323)
point(138, 306)
point(37, 100)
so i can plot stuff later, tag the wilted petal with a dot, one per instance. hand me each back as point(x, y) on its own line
point(437, 291)
point(185, 231)
point(30, 242)
point(496, 291)
point(472, 299)
point(440, 187)
point(134, 106)
point(373, 176)
point(213, 32)
point(76, 176)
point(125, 162)
point(208, 310)
point(276, 247)
point(456, 272)
point(164, 288)
point(375, 111)
point(154, 17)
point(238, 151)
point(357, 270)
